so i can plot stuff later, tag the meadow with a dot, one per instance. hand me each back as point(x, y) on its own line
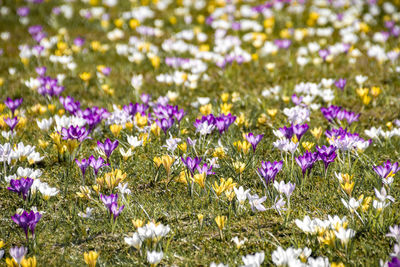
point(199, 133)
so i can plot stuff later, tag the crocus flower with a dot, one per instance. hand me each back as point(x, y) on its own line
point(96, 164)
point(145, 98)
point(13, 104)
point(79, 41)
point(283, 188)
point(83, 164)
point(300, 129)
point(254, 140)
point(111, 202)
point(395, 262)
point(340, 83)
point(287, 131)
point(296, 99)
point(205, 169)
point(27, 221)
point(108, 200)
point(351, 117)
point(75, 132)
point(331, 112)
point(179, 114)
point(115, 210)
point(11, 122)
point(326, 154)
point(41, 71)
point(191, 163)
point(306, 161)
point(283, 43)
point(18, 254)
point(269, 170)
point(224, 121)
point(256, 202)
point(70, 104)
point(21, 186)
point(108, 146)
point(23, 11)
point(323, 53)
point(387, 171)
point(279, 204)
point(165, 124)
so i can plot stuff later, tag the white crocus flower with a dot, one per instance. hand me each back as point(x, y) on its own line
point(241, 194)
point(253, 260)
point(134, 241)
point(154, 257)
point(344, 235)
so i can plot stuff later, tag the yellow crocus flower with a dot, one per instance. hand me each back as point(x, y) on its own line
point(116, 129)
point(220, 221)
point(226, 108)
point(91, 258)
point(348, 187)
point(206, 109)
point(138, 223)
point(29, 262)
point(167, 163)
point(200, 179)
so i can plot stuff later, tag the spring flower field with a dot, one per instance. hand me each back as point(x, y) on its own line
point(199, 133)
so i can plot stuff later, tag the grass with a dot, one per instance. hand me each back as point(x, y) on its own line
point(62, 236)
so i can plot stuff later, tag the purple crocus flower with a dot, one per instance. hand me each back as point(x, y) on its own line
point(395, 262)
point(106, 71)
point(115, 211)
point(79, 41)
point(49, 87)
point(41, 71)
point(205, 169)
point(326, 154)
point(300, 129)
point(108, 200)
point(111, 202)
point(11, 122)
point(296, 99)
point(35, 29)
point(21, 186)
point(330, 113)
point(93, 116)
point(70, 104)
point(145, 98)
point(75, 132)
point(351, 117)
point(224, 121)
point(340, 83)
point(306, 161)
point(83, 164)
point(108, 146)
point(179, 114)
point(387, 169)
point(287, 131)
point(23, 11)
point(323, 53)
point(56, 10)
point(269, 170)
point(27, 221)
point(13, 104)
point(96, 164)
point(191, 163)
point(37, 49)
point(254, 140)
point(165, 124)
point(283, 43)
